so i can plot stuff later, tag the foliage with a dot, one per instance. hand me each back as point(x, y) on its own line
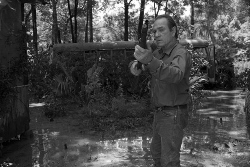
point(63, 80)
point(104, 99)
point(46, 78)
point(225, 76)
point(91, 92)
point(60, 86)
point(9, 77)
point(197, 76)
point(93, 81)
point(40, 74)
point(44, 21)
point(109, 28)
point(227, 29)
point(6, 83)
point(105, 89)
point(242, 78)
point(7, 88)
point(54, 107)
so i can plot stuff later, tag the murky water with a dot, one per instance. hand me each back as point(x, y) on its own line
point(215, 125)
point(55, 149)
point(218, 131)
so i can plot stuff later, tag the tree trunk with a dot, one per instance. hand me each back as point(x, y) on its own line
point(126, 5)
point(157, 9)
point(59, 36)
point(192, 19)
point(76, 5)
point(87, 24)
point(24, 45)
point(54, 25)
point(166, 8)
point(22, 12)
point(26, 19)
point(34, 28)
point(209, 27)
point(91, 21)
point(141, 17)
point(71, 23)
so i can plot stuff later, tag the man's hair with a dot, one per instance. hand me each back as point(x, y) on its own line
point(171, 22)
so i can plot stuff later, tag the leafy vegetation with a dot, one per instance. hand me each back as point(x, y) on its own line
point(104, 80)
point(11, 73)
point(66, 78)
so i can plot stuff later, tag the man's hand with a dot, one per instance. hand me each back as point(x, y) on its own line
point(133, 68)
point(143, 55)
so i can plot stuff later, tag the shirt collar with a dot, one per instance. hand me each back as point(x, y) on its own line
point(167, 52)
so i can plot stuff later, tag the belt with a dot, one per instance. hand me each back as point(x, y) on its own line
point(170, 107)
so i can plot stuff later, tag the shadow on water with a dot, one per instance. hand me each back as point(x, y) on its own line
point(217, 123)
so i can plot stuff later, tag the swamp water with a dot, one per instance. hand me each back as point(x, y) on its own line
point(217, 135)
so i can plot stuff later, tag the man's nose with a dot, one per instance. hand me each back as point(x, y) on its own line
point(157, 34)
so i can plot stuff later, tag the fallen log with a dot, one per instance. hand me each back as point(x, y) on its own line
point(116, 45)
point(81, 47)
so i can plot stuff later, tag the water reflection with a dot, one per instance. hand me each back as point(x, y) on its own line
point(84, 151)
point(128, 150)
point(218, 120)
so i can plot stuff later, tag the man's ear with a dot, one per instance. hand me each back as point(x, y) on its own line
point(174, 29)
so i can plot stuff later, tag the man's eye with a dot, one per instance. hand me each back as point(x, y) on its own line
point(161, 29)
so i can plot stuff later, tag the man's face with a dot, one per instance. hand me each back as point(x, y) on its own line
point(162, 34)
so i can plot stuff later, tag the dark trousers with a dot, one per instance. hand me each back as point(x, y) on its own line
point(167, 136)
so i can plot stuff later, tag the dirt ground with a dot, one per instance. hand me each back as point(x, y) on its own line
point(217, 136)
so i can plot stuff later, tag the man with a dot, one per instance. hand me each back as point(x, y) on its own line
point(170, 66)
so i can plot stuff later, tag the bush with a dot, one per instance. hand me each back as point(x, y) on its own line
point(100, 81)
point(225, 78)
